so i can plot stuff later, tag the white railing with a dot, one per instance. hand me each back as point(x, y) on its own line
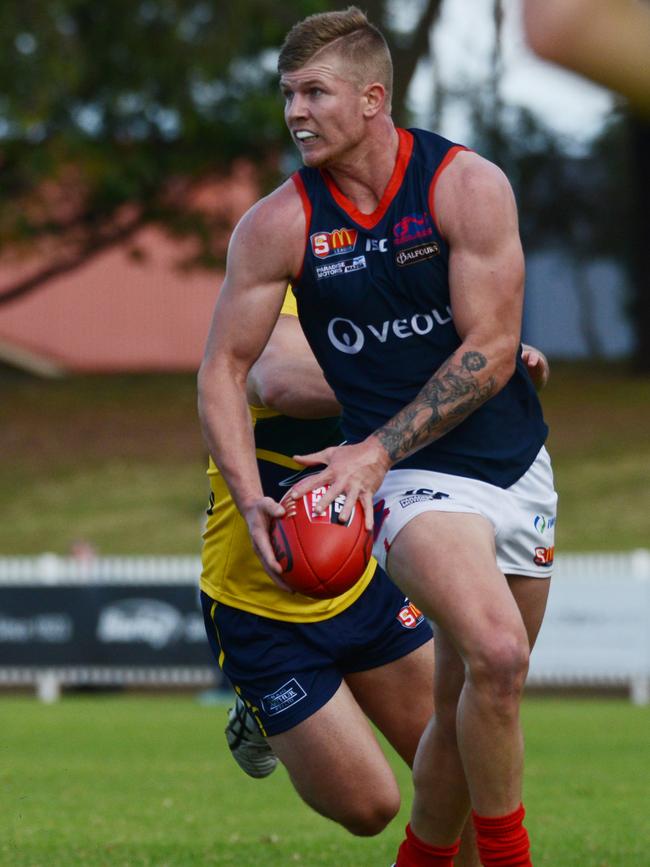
point(597, 627)
point(50, 570)
point(596, 630)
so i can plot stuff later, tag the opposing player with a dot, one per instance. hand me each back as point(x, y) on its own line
point(404, 253)
point(310, 671)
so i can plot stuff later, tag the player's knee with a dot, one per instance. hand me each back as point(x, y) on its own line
point(371, 815)
point(500, 665)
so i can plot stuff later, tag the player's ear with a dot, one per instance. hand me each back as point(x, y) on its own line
point(374, 99)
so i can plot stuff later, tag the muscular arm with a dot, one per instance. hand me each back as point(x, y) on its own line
point(286, 377)
point(477, 213)
point(263, 254)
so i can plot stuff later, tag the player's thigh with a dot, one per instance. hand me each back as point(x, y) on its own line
point(398, 697)
point(446, 563)
point(531, 595)
point(337, 765)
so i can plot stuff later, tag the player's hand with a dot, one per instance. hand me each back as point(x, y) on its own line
point(259, 516)
point(355, 471)
point(537, 364)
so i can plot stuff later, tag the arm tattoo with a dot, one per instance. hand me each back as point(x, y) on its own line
point(453, 392)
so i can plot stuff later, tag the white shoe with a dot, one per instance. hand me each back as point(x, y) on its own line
point(249, 748)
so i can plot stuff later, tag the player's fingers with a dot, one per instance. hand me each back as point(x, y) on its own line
point(351, 494)
point(313, 459)
point(264, 551)
point(531, 358)
point(368, 510)
point(275, 510)
point(335, 490)
point(304, 486)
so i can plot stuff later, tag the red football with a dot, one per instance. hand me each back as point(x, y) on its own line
point(320, 556)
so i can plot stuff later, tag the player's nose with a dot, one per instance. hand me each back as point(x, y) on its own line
point(297, 108)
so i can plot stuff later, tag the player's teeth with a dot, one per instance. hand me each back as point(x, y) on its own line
point(304, 134)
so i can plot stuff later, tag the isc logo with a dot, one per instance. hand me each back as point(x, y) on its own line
point(334, 243)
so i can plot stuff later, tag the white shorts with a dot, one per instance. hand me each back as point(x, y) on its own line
point(523, 515)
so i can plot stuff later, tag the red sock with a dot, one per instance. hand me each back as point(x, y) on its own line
point(416, 853)
point(502, 840)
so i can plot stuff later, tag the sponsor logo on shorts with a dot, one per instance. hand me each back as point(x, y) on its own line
point(542, 524)
point(544, 556)
point(409, 498)
point(411, 228)
point(336, 243)
point(409, 616)
point(284, 697)
point(345, 266)
point(413, 255)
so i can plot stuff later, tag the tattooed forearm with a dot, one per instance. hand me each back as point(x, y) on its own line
point(452, 393)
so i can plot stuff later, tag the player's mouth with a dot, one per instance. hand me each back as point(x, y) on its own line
point(305, 136)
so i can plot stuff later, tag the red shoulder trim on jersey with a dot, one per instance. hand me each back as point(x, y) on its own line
point(368, 221)
point(306, 206)
point(448, 157)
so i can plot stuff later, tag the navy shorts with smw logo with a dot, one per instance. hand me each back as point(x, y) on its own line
point(287, 671)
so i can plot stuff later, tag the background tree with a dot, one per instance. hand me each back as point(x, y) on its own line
point(112, 114)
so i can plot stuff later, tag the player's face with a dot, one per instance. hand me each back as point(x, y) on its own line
point(323, 110)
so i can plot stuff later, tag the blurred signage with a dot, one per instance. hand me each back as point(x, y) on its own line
point(102, 625)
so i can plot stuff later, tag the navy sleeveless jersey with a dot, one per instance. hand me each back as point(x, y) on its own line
point(373, 301)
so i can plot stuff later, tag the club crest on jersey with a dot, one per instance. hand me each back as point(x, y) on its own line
point(325, 244)
point(409, 616)
point(411, 228)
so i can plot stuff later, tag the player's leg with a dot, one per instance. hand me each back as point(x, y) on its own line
point(398, 697)
point(458, 584)
point(287, 676)
point(338, 767)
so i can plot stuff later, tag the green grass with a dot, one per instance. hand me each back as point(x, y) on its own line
point(148, 781)
point(119, 461)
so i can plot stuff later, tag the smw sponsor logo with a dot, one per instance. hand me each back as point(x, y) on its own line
point(412, 228)
point(409, 616)
point(544, 556)
point(336, 243)
point(348, 337)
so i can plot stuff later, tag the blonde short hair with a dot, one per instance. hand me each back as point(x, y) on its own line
point(349, 33)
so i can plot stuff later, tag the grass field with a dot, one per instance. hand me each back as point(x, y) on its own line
point(119, 461)
point(133, 781)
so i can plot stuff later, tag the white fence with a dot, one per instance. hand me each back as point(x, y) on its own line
point(597, 627)
point(596, 631)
